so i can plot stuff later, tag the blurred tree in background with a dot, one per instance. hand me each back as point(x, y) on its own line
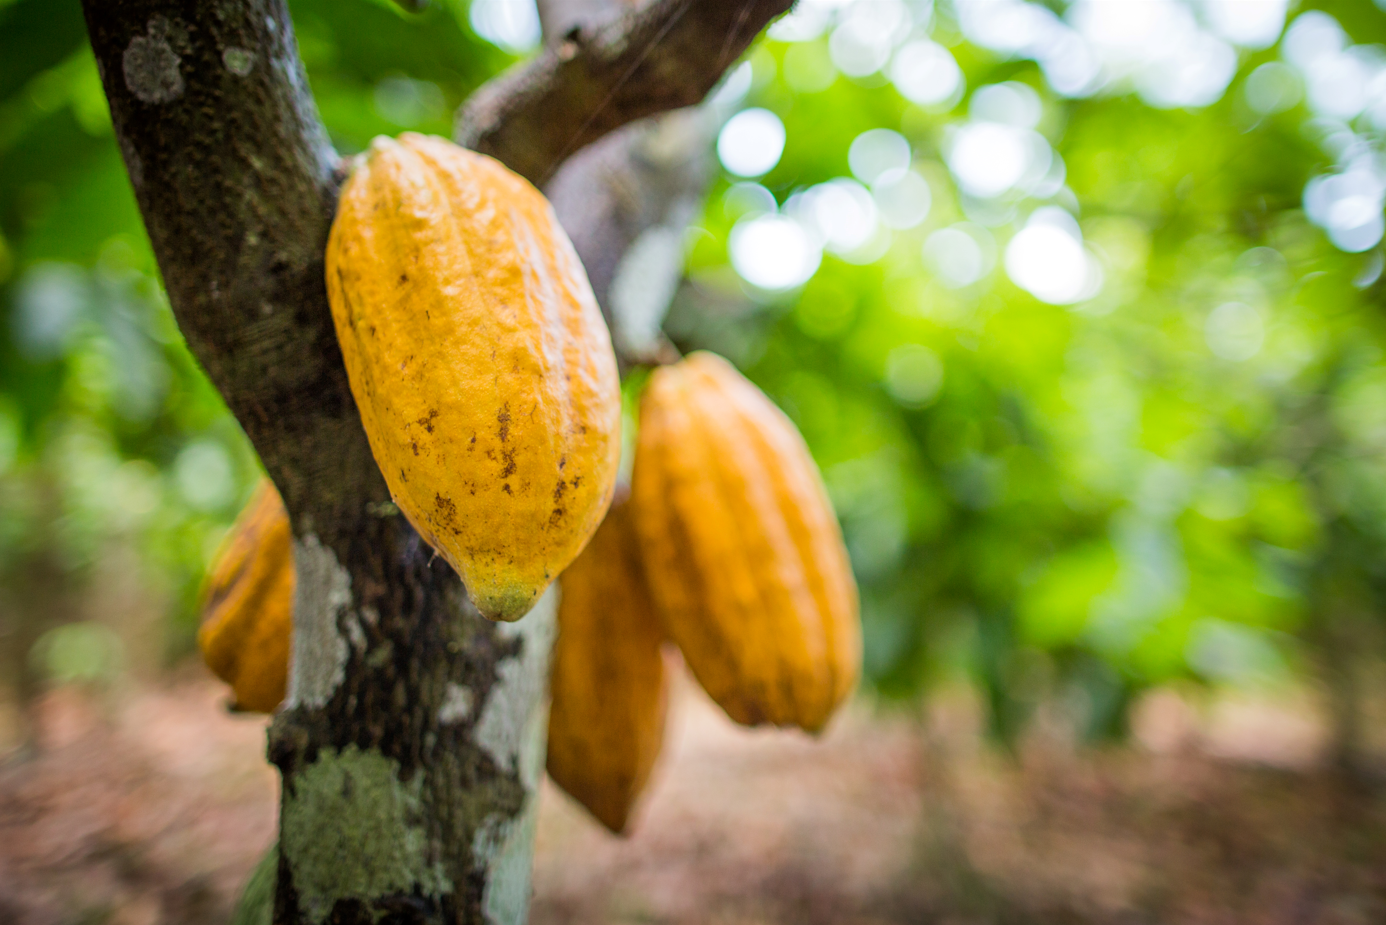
point(1079, 307)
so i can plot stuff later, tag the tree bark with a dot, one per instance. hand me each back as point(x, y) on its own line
point(412, 739)
point(665, 55)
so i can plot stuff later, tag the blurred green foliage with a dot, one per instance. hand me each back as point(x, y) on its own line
point(1072, 501)
point(1078, 502)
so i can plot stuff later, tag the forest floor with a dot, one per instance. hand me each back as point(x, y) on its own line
point(151, 807)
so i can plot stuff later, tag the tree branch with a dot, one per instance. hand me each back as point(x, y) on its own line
point(664, 56)
point(234, 176)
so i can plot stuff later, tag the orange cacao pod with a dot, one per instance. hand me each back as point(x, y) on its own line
point(609, 691)
point(742, 550)
point(479, 361)
point(248, 603)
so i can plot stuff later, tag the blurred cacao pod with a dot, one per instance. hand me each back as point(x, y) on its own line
point(610, 694)
point(742, 551)
point(248, 604)
point(480, 363)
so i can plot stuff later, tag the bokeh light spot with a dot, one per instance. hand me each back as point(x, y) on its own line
point(509, 24)
point(842, 213)
point(773, 252)
point(987, 159)
point(1009, 103)
point(925, 73)
point(959, 255)
point(1273, 87)
point(751, 142)
point(1046, 258)
point(902, 198)
point(877, 151)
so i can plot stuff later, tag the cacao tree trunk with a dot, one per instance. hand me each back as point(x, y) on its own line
point(412, 739)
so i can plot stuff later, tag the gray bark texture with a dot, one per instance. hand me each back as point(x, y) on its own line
point(412, 739)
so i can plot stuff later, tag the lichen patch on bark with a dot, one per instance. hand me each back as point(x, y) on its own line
point(319, 652)
point(238, 61)
point(151, 66)
point(351, 829)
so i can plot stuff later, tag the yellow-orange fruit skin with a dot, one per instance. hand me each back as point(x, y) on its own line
point(609, 691)
point(743, 553)
point(248, 603)
point(479, 361)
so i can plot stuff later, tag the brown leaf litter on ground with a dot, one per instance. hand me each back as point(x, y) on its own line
point(153, 807)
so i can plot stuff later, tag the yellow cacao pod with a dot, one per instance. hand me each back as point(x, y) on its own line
point(742, 550)
point(479, 361)
point(609, 691)
point(248, 604)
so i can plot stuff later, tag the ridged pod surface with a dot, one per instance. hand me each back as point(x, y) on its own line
point(248, 603)
point(479, 361)
point(608, 685)
point(742, 550)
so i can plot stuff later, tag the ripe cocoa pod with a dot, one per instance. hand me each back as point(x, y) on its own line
point(479, 361)
point(248, 603)
point(742, 550)
point(609, 691)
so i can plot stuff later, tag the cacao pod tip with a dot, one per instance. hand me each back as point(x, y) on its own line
point(504, 605)
point(617, 823)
